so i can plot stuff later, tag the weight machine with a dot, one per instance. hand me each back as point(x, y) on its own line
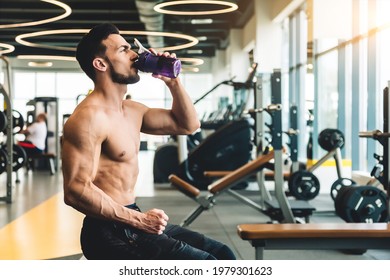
point(367, 203)
point(48, 105)
point(384, 139)
point(279, 208)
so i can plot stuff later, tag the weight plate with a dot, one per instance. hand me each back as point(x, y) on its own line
point(19, 157)
point(304, 185)
point(330, 139)
point(338, 202)
point(3, 121)
point(365, 204)
point(3, 161)
point(341, 201)
point(338, 184)
point(17, 122)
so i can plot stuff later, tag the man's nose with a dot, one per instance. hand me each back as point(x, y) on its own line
point(134, 55)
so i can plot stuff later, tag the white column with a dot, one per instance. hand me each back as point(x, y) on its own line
point(268, 38)
point(238, 57)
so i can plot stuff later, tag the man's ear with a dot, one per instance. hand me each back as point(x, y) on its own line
point(99, 64)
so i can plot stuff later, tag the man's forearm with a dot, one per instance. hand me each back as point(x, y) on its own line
point(183, 107)
point(97, 204)
point(92, 201)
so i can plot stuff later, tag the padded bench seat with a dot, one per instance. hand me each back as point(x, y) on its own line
point(315, 236)
point(50, 157)
point(269, 176)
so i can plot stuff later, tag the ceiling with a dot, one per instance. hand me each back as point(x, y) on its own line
point(131, 15)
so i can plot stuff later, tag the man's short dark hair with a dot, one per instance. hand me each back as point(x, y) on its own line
point(91, 46)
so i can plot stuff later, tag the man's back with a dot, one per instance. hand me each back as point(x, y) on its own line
point(37, 134)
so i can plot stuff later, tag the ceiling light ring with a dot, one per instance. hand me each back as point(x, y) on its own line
point(192, 41)
point(67, 12)
point(190, 69)
point(47, 57)
point(40, 64)
point(160, 8)
point(21, 38)
point(8, 48)
point(191, 61)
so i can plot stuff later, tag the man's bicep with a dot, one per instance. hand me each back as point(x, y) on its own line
point(159, 121)
point(78, 157)
point(74, 155)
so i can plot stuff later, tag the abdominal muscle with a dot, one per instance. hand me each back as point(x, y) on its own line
point(117, 179)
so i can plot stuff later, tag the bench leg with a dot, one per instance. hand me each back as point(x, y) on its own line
point(17, 180)
point(259, 253)
point(29, 164)
point(52, 167)
point(192, 216)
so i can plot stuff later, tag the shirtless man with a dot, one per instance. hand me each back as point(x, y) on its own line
point(99, 158)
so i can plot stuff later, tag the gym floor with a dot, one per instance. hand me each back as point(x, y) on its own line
point(38, 225)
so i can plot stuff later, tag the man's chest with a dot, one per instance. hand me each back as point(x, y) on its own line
point(123, 140)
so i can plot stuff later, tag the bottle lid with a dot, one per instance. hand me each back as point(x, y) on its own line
point(141, 49)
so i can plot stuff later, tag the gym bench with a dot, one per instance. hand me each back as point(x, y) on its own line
point(219, 186)
point(269, 176)
point(231, 179)
point(46, 156)
point(315, 236)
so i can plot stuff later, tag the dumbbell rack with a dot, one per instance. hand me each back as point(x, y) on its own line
point(10, 140)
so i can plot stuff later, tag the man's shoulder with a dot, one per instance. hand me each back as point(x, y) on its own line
point(86, 115)
point(135, 106)
point(83, 125)
point(88, 110)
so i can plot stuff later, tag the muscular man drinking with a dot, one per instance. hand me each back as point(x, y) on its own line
point(100, 146)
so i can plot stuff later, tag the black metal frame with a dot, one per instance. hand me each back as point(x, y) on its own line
point(10, 138)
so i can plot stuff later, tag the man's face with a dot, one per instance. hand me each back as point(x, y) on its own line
point(120, 59)
point(118, 78)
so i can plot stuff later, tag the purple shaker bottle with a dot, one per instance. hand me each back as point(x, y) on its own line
point(161, 65)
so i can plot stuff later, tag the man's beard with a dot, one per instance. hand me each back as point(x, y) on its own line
point(122, 79)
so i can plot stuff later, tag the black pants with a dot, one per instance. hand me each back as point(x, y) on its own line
point(30, 148)
point(105, 240)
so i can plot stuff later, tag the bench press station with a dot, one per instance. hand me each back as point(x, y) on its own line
point(222, 185)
